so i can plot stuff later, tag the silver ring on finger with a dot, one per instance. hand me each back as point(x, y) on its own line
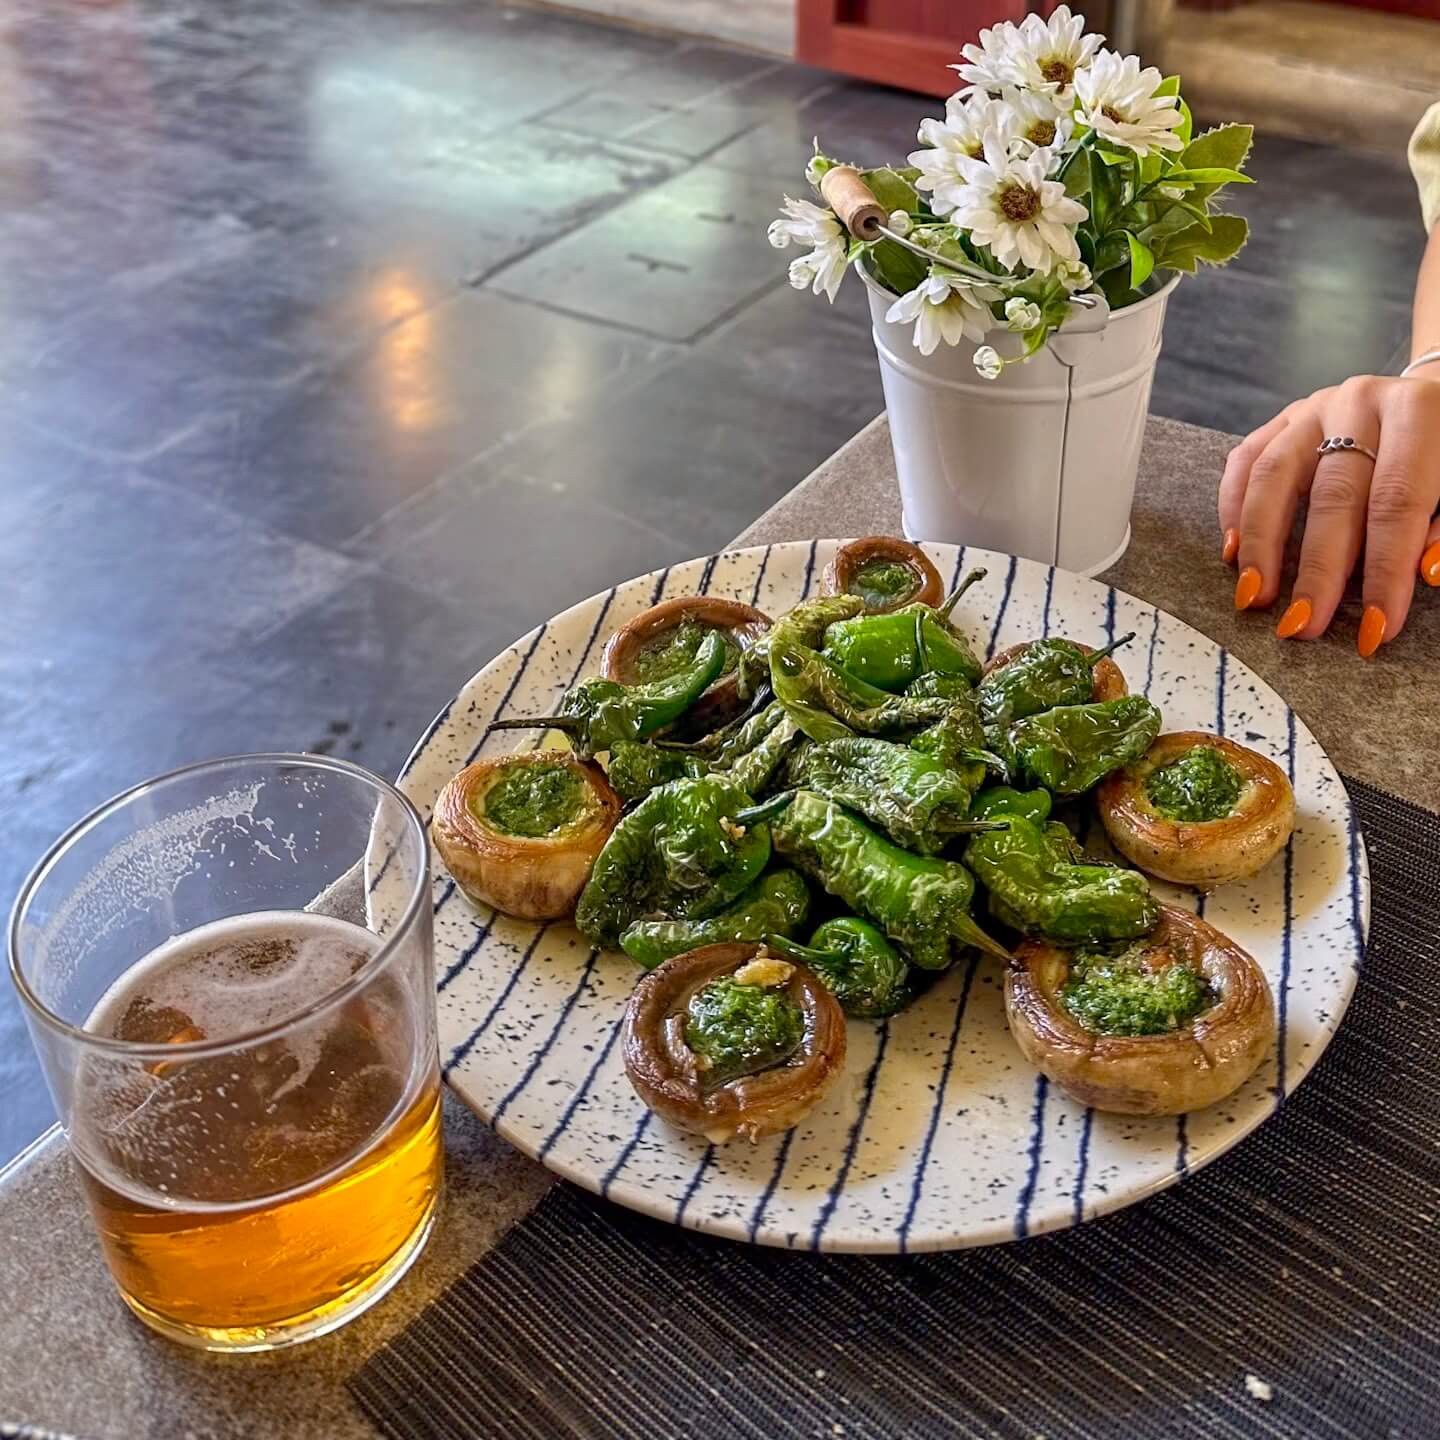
point(1339, 444)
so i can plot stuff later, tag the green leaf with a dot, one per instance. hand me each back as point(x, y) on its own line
point(1076, 174)
point(1170, 85)
point(1111, 254)
point(1207, 175)
point(1186, 127)
point(895, 267)
point(1142, 262)
point(1104, 194)
point(1116, 288)
point(1115, 157)
point(1215, 246)
point(891, 188)
point(1227, 147)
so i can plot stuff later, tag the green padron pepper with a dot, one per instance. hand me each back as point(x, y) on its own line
point(776, 904)
point(806, 624)
point(636, 768)
point(921, 902)
point(893, 650)
point(681, 851)
point(757, 767)
point(957, 740)
point(827, 703)
point(860, 967)
point(1073, 747)
point(1045, 674)
point(1036, 888)
point(597, 713)
point(917, 800)
point(997, 801)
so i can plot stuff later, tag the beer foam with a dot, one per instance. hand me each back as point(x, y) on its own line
point(235, 976)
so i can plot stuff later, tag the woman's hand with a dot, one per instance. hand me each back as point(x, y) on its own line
point(1387, 505)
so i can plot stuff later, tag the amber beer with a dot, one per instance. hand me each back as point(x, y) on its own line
point(250, 1194)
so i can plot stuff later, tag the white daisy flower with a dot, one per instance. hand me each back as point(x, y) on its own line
point(1118, 101)
point(1037, 121)
point(1049, 54)
point(992, 64)
point(959, 136)
point(805, 224)
point(1021, 315)
point(988, 362)
point(1009, 205)
point(944, 306)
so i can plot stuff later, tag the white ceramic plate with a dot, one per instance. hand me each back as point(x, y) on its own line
point(940, 1135)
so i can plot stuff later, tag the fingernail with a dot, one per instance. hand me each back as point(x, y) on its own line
point(1294, 620)
point(1372, 630)
point(1247, 587)
point(1232, 545)
point(1430, 564)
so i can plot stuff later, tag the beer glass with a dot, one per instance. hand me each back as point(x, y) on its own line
point(227, 974)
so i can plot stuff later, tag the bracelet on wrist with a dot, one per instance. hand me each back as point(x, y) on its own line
point(1428, 358)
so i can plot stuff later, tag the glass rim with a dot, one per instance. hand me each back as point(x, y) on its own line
point(201, 1049)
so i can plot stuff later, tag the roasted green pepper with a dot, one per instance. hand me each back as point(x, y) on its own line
point(919, 901)
point(776, 904)
point(1073, 747)
point(918, 801)
point(635, 768)
point(861, 968)
point(829, 704)
point(957, 740)
point(597, 713)
point(1000, 800)
point(804, 625)
point(680, 851)
point(1045, 674)
point(1036, 887)
point(755, 769)
point(891, 651)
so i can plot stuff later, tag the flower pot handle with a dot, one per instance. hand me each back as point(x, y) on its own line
point(853, 201)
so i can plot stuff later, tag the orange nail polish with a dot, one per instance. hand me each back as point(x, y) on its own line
point(1372, 630)
point(1430, 564)
point(1247, 587)
point(1231, 547)
point(1294, 620)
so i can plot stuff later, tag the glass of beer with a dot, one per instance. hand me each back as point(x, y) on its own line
point(227, 974)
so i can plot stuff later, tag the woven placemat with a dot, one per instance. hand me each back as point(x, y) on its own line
point(1303, 1267)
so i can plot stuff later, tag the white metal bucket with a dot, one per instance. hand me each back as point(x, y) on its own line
point(1040, 462)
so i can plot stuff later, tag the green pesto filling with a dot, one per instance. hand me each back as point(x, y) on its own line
point(883, 582)
point(535, 800)
point(741, 1029)
point(1112, 992)
point(675, 649)
point(1200, 785)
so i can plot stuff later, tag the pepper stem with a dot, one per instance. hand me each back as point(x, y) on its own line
point(716, 738)
point(566, 724)
point(766, 810)
point(953, 598)
point(793, 950)
point(1096, 656)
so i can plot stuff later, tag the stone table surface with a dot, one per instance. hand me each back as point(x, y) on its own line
point(72, 1358)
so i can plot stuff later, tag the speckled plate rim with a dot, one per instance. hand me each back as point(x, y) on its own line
point(1034, 1215)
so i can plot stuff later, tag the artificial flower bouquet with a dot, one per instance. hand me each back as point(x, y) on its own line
point(1060, 169)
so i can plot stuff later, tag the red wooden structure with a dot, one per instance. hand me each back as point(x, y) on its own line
point(906, 43)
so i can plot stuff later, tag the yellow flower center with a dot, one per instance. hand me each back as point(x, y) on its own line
point(1056, 71)
point(1042, 132)
point(1019, 202)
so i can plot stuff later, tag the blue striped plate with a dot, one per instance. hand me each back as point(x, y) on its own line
point(940, 1135)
